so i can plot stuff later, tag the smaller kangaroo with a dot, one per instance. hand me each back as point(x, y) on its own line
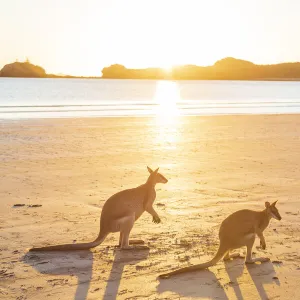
point(119, 213)
point(238, 230)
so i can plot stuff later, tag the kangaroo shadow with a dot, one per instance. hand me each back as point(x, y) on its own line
point(200, 284)
point(205, 284)
point(121, 259)
point(235, 269)
point(260, 274)
point(78, 263)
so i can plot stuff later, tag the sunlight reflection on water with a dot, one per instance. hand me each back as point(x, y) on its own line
point(167, 97)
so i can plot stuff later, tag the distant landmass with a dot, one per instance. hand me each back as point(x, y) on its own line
point(28, 70)
point(22, 69)
point(225, 69)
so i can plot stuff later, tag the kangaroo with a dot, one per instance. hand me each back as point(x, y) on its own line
point(238, 230)
point(119, 213)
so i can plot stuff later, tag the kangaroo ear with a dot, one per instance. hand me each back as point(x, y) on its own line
point(149, 170)
point(156, 170)
point(267, 204)
point(274, 203)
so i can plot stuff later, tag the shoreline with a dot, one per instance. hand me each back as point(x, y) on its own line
point(159, 79)
point(151, 117)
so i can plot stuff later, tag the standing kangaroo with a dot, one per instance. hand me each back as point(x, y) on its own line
point(236, 231)
point(120, 212)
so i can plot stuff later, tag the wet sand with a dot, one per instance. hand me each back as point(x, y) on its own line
point(215, 166)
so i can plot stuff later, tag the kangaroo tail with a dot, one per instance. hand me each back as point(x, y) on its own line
point(221, 252)
point(71, 247)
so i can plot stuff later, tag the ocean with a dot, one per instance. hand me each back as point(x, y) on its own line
point(59, 98)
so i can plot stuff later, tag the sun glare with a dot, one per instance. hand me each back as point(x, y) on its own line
point(167, 67)
point(166, 97)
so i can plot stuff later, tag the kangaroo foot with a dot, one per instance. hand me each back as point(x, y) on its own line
point(235, 255)
point(127, 248)
point(232, 256)
point(164, 276)
point(262, 259)
point(134, 248)
point(258, 259)
point(136, 242)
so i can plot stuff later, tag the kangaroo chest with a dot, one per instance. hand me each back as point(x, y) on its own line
point(263, 224)
point(151, 197)
point(141, 201)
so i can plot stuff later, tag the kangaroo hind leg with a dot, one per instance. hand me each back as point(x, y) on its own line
point(121, 238)
point(131, 242)
point(126, 225)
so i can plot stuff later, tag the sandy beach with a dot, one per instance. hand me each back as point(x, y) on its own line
point(215, 166)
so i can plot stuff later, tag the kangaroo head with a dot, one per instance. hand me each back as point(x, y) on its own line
point(156, 177)
point(272, 210)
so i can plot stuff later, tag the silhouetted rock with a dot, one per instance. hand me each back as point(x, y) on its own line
point(22, 69)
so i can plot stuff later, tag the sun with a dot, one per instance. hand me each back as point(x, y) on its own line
point(167, 67)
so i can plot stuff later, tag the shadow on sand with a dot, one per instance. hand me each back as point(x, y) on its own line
point(262, 274)
point(121, 259)
point(196, 281)
point(205, 284)
point(80, 264)
point(76, 263)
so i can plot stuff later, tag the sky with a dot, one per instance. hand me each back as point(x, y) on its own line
point(80, 37)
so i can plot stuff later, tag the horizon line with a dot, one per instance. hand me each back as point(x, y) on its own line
point(166, 70)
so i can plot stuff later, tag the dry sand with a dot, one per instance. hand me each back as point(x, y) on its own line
point(215, 166)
